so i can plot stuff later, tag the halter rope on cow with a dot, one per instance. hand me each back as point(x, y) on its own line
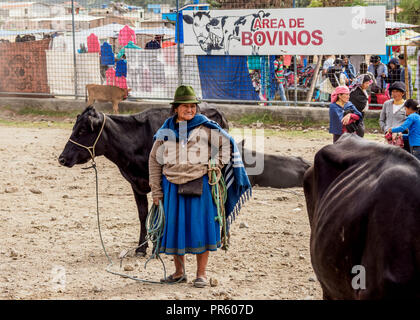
point(155, 223)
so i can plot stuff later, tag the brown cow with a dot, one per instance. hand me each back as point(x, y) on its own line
point(103, 93)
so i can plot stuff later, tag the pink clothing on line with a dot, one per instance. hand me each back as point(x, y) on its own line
point(121, 82)
point(126, 34)
point(110, 77)
point(93, 43)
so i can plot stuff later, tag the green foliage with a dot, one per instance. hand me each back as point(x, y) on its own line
point(342, 3)
point(315, 4)
point(410, 13)
point(355, 3)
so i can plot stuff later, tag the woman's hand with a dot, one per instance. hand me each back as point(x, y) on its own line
point(346, 119)
point(389, 130)
point(156, 201)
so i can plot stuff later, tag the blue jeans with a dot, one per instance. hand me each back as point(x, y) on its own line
point(416, 152)
point(278, 87)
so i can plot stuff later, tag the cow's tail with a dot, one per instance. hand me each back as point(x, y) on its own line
point(86, 93)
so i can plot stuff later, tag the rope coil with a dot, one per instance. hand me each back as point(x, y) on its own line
point(219, 194)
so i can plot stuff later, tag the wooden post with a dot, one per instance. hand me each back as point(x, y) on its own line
point(314, 80)
point(407, 85)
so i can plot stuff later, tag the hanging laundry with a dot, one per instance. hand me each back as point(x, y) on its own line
point(121, 82)
point(121, 69)
point(107, 56)
point(126, 34)
point(93, 43)
point(130, 45)
point(110, 77)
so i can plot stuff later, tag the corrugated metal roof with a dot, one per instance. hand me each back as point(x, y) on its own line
point(6, 33)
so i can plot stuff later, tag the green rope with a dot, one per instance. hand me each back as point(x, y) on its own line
point(155, 224)
point(219, 193)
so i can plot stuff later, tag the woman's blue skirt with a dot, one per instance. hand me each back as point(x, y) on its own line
point(190, 225)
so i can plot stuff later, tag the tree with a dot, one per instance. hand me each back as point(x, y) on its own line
point(410, 12)
point(337, 3)
point(256, 4)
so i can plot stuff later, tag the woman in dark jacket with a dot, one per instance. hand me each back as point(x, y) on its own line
point(360, 99)
point(394, 71)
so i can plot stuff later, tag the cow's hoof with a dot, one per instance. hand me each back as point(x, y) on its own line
point(141, 253)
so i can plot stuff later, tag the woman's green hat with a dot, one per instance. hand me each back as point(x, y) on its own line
point(185, 94)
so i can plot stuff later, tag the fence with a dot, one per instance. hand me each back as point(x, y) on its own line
point(55, 49)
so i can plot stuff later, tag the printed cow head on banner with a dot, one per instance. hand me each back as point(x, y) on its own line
point(224, 32)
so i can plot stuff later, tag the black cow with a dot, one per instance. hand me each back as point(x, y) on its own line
point(279, 171)
point(126, 140)
point(364, 210)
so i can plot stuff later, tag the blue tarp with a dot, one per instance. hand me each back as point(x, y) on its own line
point(230, 80)
point(181, 29)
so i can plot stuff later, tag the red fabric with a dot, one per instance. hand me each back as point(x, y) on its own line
point(24, 67)
point(110, 77)
point(390, 32)
point(394, 139)
point(381, 98)
point(353, 118)
point(166, 44)
point(126, 34)
point(93, 43)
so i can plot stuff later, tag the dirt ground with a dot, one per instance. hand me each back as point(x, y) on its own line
point(51, 247)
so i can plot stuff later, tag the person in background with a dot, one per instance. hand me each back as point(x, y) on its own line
point(329, 62)
point(402, 78)
point(348, 68)
point(394, 71)
point(360, 99)
point(335, 77)
point(363, 69)
point(412, 123)
point(339, 104)
point(379, 70)
point(280, 80)
point(393, 113)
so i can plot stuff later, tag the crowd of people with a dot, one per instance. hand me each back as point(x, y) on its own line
point(399, 119)
point(341, 72)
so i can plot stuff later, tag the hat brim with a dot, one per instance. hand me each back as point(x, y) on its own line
point(186, 101)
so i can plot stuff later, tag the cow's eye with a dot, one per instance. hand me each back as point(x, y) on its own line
point(195, 24)
point(82, 132)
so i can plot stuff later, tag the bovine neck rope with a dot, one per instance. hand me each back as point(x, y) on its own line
point(92, 152)
point(154, 224)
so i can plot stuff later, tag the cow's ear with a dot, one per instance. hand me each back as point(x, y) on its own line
point(188, 19)
point(214, 22)
point(94, 122)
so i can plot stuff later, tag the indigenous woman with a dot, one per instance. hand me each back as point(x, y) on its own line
point(339, 105)
point(179, 177)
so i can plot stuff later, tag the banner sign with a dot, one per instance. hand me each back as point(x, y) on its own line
point(303, 31)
